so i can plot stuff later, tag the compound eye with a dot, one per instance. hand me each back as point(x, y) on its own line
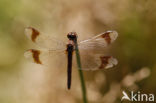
point(68, 36)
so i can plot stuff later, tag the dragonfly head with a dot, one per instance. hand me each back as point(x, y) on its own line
point(72, 36)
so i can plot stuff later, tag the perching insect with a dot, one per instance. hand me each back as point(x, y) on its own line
point(91, 50)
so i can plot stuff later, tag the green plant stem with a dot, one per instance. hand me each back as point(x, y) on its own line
point(80, 73)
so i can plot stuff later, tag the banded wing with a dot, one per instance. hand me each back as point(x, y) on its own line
point(44, 41)
point(92, 51)
point(91, 61)
point(46, 57)
point(99, 42)
point(52, 52)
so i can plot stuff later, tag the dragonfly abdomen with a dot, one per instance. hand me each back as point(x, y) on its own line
point(70, 49)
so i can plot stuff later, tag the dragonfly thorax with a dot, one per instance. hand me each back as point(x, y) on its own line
point(70, 47)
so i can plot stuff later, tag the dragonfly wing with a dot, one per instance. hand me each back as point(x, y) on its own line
point(92, 61)
point(92, 50)
point(45, 57)
point(99, 42)
point(44, 41)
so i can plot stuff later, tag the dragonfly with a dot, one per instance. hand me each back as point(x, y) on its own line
point(91, 50)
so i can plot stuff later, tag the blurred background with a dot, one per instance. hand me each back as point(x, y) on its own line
point(25, 82)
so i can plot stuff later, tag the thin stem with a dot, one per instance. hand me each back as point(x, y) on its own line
point(80, 73)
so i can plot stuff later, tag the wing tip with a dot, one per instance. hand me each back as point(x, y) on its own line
point(110, 36)
point(108, 62)
point(111, 62)
point(27, 54)
point(34, 55)
point(28, 31)
point(113, 35)
point(31, 33)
